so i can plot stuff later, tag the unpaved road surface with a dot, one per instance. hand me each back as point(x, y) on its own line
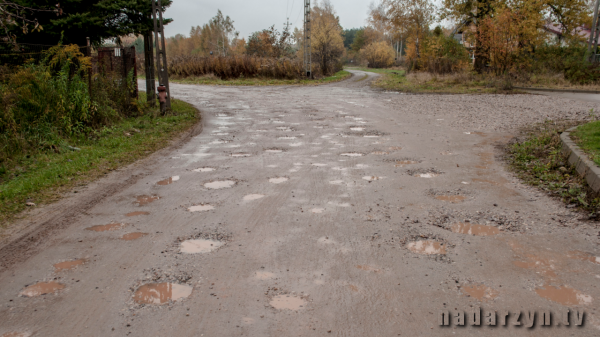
point(334, 210)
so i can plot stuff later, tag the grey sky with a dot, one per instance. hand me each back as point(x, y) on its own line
point(255, 15)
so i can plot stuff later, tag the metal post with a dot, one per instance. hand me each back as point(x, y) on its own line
point(307, 40)
point(161, 55)
point(593, 45)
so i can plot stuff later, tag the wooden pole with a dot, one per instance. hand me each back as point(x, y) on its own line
point(89, 54)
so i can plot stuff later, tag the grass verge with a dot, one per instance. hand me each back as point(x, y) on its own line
point(212, 80)
point(587, 137)
point(42, 178)
point(536, 158)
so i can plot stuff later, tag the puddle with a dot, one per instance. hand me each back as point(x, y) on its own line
point(199, 246)
point(427, 175)
point(272, 166)
point(368, 136)
point(472, 229)
point(296, 144)
point(368, 268)
point(352, 154)
point(133, 236)
point(264, 275)
point(219, 142)
point(379, 153)
point(372, 178)
point(215, 185)
point(278, 180)
point(357, 129)
point(319, 165)
point(288, 137)
point(273, 151)
point(402, 163)
point(336, 182)
point(251, 197)
point(287, 302)
point(106, 228)
point(69, 265)
point(579, 255)
point(540, 265)
point(238, 155)
point(204, 169)
point(451, 198)
point(201, 208)
point(317, 210)
point(42, 288)
point(146, 199)
point(160, 293)
point(394, 148)
point(480, 292)
point(428, 247)
point(137, 214)
point(446, 153)
point(168, 181)
point(345, 204)
point(563, 295)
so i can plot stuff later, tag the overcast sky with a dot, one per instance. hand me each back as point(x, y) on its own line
point(254, 15)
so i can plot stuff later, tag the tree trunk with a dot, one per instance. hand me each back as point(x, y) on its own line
point(481, 55)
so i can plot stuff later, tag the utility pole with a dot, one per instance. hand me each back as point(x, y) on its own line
point(593, 45)
point(288, 24)
point(161, 53)
point(307, 40)
point(149, 69)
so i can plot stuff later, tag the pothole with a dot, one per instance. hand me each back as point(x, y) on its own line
point(240, 155)
point(319, 165)
point(336, 182)
point(264, 275)
point(220, 184)
point(317, 210)
point(379, 153)
point(424, 173)
point(69, 265)
point(274, 150)
point(287, 138)
point(201, 208)
point(480, 223)
point(479, 292)
point(287, 302)
point(106, 228)
point(168, 181)
point(427, 247)
point(133, 236)
point(200, 246)
point(372, 178)
point(579, 255)
point(451, 196)
point(42, 288)
point(394, 148)
point(161, 293)
point(132, 214)
point(278, 180)
point(473, 229)
point(369, 268)
point(285, 129)
point(352, 154)
point(564, 295)
point(143, 200)
point(251, 197)
point(219, 141)
point(204, 169)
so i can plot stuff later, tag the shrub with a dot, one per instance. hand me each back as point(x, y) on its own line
point(378, 55)
point(443, 55)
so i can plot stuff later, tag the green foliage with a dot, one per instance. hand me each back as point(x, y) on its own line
point(442, 54)
point(349, 36)
point(571, 61)
point(359, 40)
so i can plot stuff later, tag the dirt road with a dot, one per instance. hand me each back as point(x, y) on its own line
point(332, 210)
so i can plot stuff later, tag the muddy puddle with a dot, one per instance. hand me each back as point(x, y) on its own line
point(352, 154)
point(372, 178)
point(357, 129)
point(251, 197)
point(319, 165)
point(273, 151)
point(204, 169)
point(143, 200)
point(579, 255)
point(160, 293)
point(336, 182)
point(287, 302)
point(216, 185)
point(240, 155)
point(563, 295)
point(16, 334)
point(473, 229)
point(368, 268)
point(426, 175)
point(201, 208)
point(427, 247)
point(133, 236)
point(199, 246)
point(451, 198)
point(394, 148)
point(42, 288)
point(287, 138)
point(379, 153)
point(136, 214)
point(317, 210)
point(69, 265)
point(278, 180)
point(480, 292)
point(106, 228)
point(168, 181)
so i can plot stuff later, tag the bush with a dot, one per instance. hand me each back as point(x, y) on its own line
point(378, 55)
point(233, 67)
point(443, 55)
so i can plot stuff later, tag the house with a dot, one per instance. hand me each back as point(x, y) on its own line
point(556, 33)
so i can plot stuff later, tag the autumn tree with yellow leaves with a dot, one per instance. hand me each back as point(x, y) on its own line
point(326, 39)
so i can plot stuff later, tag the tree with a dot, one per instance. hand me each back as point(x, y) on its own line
point(270, 43)
point(349, 35)
point(100, 20)
point(378, 54)
point(327, 40)
point(23, 18)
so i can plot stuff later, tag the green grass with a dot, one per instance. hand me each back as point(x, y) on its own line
point(209, 80)
point(537, 160)
point(587, 136)
point(396, 72)
point(42, 178)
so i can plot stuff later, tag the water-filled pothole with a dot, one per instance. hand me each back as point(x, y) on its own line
point(372, 178)
point(424, 173)
point(219, 184)
point(200, 246)
point(136, 214)
point(480, 292)
point(42, 288)
point(427, 247)
point(160, 293)
point(473, 229)
point(287, 302)
point(251, 197)
point(133, 236)
point(278, 180)
point(69, 265)
point(168, 181)
point(317, 210)
point(204, 169)
point(201, 208)
point(579, 255)
point(240, 155)
point(352, 154)
point(106, 228)
point(564, 295)
point(143, 200)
